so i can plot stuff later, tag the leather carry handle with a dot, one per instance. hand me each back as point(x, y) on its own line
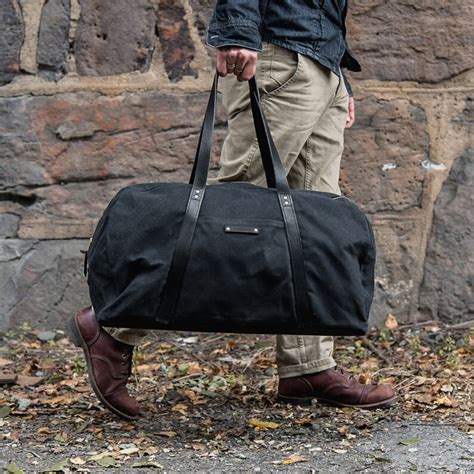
point(276, 178)
point(272, 165)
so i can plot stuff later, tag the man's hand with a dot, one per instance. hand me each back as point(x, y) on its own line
point(351, 117)
point(239, 61)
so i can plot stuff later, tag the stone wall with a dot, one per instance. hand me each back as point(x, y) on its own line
point(99, 94)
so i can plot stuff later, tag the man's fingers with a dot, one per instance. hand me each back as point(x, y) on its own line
point(239, 61)
point(231, 58)
point(249, 71)
point(351, 115)
point(225, 58)
point(221, 63)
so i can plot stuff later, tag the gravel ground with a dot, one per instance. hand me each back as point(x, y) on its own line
point(208, 404)
point(427, 448)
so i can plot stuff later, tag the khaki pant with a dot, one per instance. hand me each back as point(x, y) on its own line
point(306, 107)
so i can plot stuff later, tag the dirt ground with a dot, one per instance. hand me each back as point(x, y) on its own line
point(209, 404)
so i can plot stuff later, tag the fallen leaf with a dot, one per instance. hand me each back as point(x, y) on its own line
point(191, 394)
point(343, 430)
point(391, 322)
point(444, 401)
point(263, 424)
point(84, 425)
point(382, 459)
point(47, 363)
point(147, 464)
point(304, 422)
point(13, 469)
point(5, 411)
point(96, 457)
point(58, 467)
point(107, 461)
point(340, 451)
point(409, 441)
point(129, 451)
point(181, 408)
point(168, 434)
point(60, 400)
point(165, 347)
point(293, 459)
point(364, 378)
point(61, 437)
point(77, 461)
point(27, 381)
point(150, 450)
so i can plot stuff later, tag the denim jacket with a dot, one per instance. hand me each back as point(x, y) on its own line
point(315, 28)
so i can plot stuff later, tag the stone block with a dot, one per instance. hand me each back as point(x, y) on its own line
point(381, 168)
point(68, 211)
point(9, 225)
point(398, 258)
point(20, 150)
point(53, 39)
point(466, 117)
point(63, 157)
point(11, 38)
point(412, 40)
point(41, 282)
point(114, 37)
point(177, 47)
point(447, 289)
point(202, 11)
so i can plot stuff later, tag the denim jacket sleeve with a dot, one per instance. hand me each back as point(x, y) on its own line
point(347, 83)
point(350, 63)
point(235, 24)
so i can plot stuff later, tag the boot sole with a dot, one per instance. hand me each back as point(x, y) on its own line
point(76, 337)
point(307, 401)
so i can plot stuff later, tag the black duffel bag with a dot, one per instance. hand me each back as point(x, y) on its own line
point(232, 257)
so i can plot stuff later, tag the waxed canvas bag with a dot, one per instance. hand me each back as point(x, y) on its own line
point(232, 257)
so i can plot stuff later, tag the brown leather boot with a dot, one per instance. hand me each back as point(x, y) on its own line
point(109, 363)
point(334, 387)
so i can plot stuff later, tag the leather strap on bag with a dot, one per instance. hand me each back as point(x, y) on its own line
point(170, 294)
point(276, 179)
point(303, 310)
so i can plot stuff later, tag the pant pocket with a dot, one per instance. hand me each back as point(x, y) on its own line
point(279, 68)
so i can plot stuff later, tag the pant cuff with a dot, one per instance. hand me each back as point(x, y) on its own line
point(306, 369)
point(125, 337)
